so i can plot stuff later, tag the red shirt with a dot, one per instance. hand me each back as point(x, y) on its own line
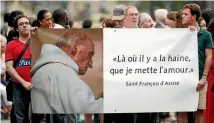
point(13, 49)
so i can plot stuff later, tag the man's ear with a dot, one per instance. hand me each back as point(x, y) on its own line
point(194, 17)
point(74, 51)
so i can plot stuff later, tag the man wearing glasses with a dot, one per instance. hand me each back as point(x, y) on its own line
point(20, 73)
point(131, 17)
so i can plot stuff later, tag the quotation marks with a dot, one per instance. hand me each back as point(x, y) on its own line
point(191, 70)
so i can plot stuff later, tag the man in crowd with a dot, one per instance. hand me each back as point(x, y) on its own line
point(191, 14)
point(21, 72)
point(61, 19)
point(87, 23)
point(160, 17)
point(131, 17)
point(119, 15)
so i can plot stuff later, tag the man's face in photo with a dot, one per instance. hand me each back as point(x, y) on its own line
point(83, 56)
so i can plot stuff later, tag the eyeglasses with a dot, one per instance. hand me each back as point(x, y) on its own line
point(22, 23)
point(133, 14)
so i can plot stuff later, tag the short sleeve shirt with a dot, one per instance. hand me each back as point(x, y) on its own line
point(13, 49)
point(204, 42)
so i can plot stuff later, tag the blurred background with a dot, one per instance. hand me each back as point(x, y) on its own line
point(94, 10)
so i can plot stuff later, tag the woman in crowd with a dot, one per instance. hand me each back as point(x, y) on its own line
point(171, 19)
point(44, 19)
point(210, 95)
point(202, 23)
point(208, 14)
point(145, 21)
point(178, 22)
point(13, 34)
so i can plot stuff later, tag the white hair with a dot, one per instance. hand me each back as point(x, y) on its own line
point(160, 15)
point(143, 17)
point(71, 38)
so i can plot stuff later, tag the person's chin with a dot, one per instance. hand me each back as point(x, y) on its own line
point(26, 33)
point(83, 72)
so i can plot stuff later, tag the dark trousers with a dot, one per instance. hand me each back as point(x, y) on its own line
point(53, 118)
point(147, 117)
point(119, 118)
point(191, 117)
point(20, 107)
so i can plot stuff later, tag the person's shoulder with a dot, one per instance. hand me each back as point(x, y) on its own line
point(205, 32)
point(11, 43)
point(60, 69)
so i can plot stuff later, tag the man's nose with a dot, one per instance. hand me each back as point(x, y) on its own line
point(91, 64)
point(135, 17)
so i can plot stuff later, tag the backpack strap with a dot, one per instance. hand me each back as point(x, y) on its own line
point(51, 62)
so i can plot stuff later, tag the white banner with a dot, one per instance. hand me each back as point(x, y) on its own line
point(150, 70)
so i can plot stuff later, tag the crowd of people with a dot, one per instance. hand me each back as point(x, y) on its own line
point(15, 35)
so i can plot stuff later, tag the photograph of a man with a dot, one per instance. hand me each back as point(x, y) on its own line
point(55, 76)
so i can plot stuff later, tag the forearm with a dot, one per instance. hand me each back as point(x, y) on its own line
point(15, 75)
point(207, 66)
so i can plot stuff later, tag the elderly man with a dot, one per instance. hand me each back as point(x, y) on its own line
point(57, 86)
point(131, 17)
point(160, 17)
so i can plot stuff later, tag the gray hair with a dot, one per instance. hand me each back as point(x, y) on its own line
point(71, 38)
point(143, 17)
point(160, 15)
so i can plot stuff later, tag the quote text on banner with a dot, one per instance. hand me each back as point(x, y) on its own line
point(150, 70)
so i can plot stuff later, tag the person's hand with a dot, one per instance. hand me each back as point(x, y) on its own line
point(201, 84)
point(33, 30)
point(192, 28)
point(27, 85)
